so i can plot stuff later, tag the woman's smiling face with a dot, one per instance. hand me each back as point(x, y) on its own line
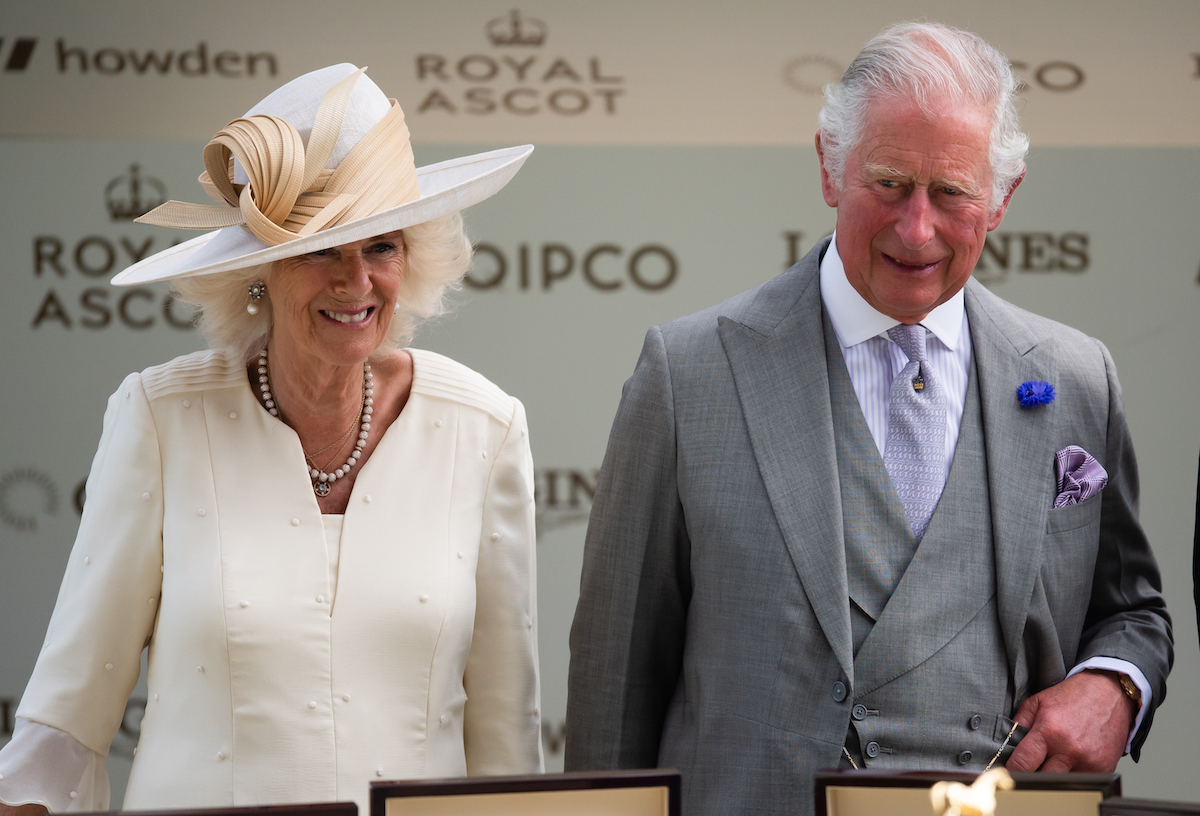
point(336, 304)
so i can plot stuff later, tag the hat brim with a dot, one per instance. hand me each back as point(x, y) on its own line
point(446, 187)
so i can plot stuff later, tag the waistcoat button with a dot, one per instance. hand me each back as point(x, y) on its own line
point(975, 722)
point(859, 712)
point(872, 749)
point(964, 757)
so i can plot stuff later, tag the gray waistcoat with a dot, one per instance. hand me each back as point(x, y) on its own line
point(949, 711)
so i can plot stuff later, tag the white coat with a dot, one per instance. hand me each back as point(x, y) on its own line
point(201, 538)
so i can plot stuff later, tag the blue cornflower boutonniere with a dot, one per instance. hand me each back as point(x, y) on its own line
point(1034, 393)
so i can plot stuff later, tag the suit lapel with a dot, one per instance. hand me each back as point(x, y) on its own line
point(776, 354)
point(1020, 473)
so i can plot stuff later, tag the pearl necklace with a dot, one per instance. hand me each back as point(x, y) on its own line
point(321, 480)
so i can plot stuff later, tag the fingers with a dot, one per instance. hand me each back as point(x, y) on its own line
point(1080, 724)
point(1031, 750)
point(1058, 763)
point(1027, 713)
point(1029, 754)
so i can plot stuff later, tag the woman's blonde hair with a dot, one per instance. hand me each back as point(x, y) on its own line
point(437, 254)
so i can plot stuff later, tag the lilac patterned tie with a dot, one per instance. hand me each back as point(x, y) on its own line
point(915, 453)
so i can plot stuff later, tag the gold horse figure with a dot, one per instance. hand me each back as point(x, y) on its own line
point(956, 799)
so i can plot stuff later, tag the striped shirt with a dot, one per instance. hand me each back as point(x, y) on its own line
point(873, 360)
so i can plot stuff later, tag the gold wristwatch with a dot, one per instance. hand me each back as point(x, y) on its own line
point(1131, 690)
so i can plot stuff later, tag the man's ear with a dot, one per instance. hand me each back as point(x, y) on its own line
point(828, 188)
point(995, 218)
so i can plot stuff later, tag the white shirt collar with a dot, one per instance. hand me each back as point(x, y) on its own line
point(856, 321)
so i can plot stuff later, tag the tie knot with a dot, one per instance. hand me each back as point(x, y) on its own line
point(910, 339)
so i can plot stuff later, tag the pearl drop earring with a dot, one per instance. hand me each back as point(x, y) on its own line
point(256, 290)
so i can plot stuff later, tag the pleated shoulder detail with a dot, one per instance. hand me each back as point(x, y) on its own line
point(198, 371)
point(437, 376)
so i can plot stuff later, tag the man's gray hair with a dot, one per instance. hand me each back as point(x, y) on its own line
point(926, 62)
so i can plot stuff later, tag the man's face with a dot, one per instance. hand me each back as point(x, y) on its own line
point(914, 208)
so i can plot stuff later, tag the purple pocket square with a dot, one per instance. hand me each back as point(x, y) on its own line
point(1080, 476)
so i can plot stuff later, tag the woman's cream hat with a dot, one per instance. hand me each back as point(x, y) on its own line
point(325, 160)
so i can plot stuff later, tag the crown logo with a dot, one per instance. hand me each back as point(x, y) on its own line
point(132, 195)
point(516, 30)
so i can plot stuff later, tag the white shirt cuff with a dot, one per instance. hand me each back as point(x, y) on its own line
point(1135, 674)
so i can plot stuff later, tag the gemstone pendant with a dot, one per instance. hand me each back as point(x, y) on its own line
point(321, 488)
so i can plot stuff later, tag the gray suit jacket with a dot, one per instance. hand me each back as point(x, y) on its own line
point(713, 620)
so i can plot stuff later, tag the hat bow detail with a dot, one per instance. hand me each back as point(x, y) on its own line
point(290, 192)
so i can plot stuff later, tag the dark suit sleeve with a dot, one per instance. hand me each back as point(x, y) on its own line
point(1127, 615)
point(1196, 554)
point(627, 636)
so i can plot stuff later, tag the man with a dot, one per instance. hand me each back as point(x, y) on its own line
point(825, 530)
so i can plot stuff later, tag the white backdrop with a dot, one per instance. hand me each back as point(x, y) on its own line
point(674, 168)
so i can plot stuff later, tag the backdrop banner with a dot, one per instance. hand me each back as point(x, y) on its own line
point(674, 168)
point(618, 71)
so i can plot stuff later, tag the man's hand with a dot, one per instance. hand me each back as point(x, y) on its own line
point(1081, 724)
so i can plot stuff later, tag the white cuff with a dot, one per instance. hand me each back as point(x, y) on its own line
point(45, 766)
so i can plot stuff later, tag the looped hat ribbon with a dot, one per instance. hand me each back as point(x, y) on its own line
point(290, 192)
point(280, 195)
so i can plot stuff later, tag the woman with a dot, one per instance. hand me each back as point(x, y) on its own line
point(325, 539)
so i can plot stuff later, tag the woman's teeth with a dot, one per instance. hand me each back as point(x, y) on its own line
point(349, 318)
